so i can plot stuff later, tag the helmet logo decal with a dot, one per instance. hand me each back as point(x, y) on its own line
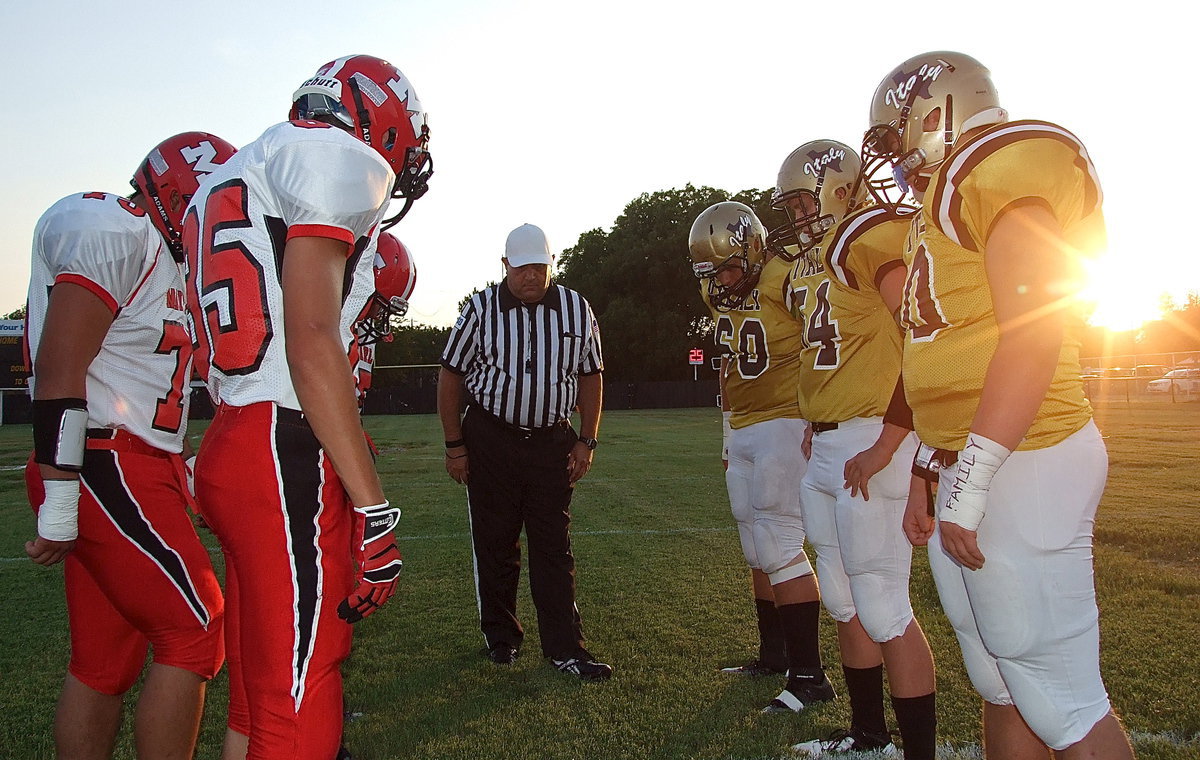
point(200, 157)
point(915, 83)
point(739, 232)
point(404, 91)
point(832, 157)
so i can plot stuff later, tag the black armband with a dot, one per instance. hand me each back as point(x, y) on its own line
point(60, 432)
point(899, 413)
point(455, 443)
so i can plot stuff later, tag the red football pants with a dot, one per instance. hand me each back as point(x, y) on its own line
point(138, 575)
point(267, 489)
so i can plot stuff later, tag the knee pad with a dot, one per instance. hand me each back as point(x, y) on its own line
point(793, 571)
point(777, 540)
point(883, 613)
point(118, 673)
point(199, 650)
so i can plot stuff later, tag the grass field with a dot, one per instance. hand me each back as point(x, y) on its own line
point(665, 598)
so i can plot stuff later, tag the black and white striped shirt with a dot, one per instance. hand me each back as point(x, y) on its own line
point(522, 362)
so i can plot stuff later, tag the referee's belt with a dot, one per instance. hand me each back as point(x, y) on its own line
point(523, 433)
point(120, 440)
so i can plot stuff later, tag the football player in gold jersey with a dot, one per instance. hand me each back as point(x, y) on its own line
point(845, 287)
point(991, 369)
point(744, 286)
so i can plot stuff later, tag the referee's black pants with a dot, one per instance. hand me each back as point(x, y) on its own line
point(517, 480)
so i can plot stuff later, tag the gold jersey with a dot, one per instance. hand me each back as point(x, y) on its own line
point(851, 356)
point(762, 346)
point(947, 310)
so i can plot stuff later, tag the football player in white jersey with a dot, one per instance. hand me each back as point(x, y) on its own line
point(110, 347)
point(395, 278)
point(991, 369)
point(279, 269)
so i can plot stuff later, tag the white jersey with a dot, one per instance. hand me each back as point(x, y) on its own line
point(138, 380)
point(300, 179)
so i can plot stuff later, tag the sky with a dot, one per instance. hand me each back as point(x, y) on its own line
point(559, 113)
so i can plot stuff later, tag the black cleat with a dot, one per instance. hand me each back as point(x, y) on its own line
point(800, 693)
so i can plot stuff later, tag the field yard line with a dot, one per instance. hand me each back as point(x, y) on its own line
point(442, 536)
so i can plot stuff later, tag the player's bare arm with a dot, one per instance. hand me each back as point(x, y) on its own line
point(1027, 267)
point(76, 323)
point(313, 268)
point(449, 404)
point(917, 522)
point(591, 393)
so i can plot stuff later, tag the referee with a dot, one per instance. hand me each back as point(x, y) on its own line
point(522, 355)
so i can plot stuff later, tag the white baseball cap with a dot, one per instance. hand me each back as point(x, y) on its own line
point(527, 245)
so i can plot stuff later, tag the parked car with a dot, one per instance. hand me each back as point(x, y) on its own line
point(1183, 381)
point(1151, 371)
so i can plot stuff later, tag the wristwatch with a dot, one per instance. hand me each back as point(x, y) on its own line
point(589, 442)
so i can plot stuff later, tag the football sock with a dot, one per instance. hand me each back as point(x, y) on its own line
point(772, 650)
point(800, 632)
point(917, 719)
point(865, 686)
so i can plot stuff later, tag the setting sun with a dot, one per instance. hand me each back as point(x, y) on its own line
point(1123, 297)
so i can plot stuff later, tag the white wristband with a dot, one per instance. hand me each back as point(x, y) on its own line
point(725, 431)
point(58, 517)
point(977, 464)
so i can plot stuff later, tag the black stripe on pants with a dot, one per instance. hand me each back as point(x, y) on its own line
point(513, 482)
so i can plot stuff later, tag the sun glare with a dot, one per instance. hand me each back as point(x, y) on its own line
point(1122, 297)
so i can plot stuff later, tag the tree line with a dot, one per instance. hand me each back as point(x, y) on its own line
point(638, 277)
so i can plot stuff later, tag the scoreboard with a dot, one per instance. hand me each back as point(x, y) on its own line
point(13, 372)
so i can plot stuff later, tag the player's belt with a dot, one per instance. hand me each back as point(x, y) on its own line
point(120, 440)
point(822, 427)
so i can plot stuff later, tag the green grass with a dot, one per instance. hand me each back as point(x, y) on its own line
point(665, 598)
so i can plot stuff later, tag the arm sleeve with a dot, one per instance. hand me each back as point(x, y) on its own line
point(463, 342)
point(328, 188)
point(593, 359)
point(865, 247)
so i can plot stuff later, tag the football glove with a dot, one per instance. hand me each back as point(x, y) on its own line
point(378, 561)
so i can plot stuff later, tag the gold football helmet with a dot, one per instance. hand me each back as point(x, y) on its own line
point(818, 184)
point(918, 112)
point(727, 240)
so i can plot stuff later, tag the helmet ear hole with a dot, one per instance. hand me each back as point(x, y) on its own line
point(389, 139)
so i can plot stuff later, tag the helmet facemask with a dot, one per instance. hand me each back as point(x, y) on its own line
point(729, 297)
point(383, 316)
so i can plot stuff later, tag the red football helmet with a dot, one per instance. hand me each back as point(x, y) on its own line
point(395, 278)
point(170, 174)
point(373, 99)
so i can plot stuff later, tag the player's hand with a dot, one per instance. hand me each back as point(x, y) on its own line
point(45, 552)
point(917, 522)
point(861, 467)
point(962, 545)
point(806, 444)
point(579, 461)
point(457, 464)
point(378, 560)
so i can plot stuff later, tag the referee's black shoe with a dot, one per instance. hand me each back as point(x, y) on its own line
point(502, 653)
point(583, 665)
